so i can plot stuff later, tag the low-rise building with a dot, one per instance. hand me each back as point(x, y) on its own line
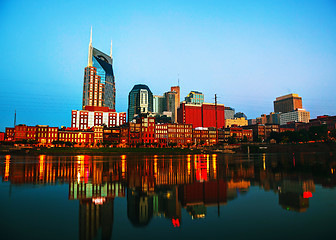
point(96, 116)
point(236, 122)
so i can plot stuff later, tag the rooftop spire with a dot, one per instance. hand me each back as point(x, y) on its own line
point(91, 36)
point(111, 50)
point(90, 51)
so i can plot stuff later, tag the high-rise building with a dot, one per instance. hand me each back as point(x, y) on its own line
point(140, 100)
point(194, 97)
point(158, 104)
point(98, 93)
point(177, 99)
point(99, 82)
point(287, 103)
point(170, 98)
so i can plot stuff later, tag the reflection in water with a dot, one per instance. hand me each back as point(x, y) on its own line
point(160, 186)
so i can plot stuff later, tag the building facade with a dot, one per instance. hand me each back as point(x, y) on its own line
point(96, 116)
point(300, 115)
point(236, 122)
point(158, 104)
point(229, 112)
point(201, 115)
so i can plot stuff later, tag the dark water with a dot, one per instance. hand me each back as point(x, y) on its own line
point(168, 197)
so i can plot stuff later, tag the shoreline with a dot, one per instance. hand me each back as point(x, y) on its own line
point(228, 149)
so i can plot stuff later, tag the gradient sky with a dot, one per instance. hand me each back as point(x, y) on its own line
point(248, 52)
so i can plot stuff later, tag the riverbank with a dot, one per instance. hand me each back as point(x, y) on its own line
point(227, 149)
point(288, 148)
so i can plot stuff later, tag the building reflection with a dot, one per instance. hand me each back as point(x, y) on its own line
point(161, 186)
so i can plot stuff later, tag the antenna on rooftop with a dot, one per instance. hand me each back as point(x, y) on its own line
point(15, 118)
point(178, 79)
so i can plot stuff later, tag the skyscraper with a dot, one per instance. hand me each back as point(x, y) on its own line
point(99, 82)
point(287, 103)
point(140, 100)
point(98, 93)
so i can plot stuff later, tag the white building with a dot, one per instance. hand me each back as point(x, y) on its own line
point(299, 115)
point(84, 119)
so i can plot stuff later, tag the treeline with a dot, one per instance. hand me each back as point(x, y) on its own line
point(315, 133)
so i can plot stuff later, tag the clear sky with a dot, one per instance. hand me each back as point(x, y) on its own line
point(248, 52)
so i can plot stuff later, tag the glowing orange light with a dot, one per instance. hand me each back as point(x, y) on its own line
point(307, 195)
point(7, 167)
point(41, 162)
point(98, 201)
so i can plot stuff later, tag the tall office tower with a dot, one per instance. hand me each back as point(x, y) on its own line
point(194, 97)
point(177, 99)
point(158, 104)
point(287, 103)
point(99, 82)
point(140, 100)
point(170, 106)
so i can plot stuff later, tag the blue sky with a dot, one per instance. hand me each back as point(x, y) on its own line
point(247, 52)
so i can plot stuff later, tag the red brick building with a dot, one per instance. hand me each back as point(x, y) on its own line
point(161, 134)
point(179, 134)
point(2, 136)
point(45, 135)
point(9, 134)
point(79, 138)
point(201, 115)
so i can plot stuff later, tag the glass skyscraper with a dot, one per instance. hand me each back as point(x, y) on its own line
point(140, 100)
point(99, 82)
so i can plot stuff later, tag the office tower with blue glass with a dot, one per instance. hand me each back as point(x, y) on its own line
point(140, 101)
point(99, 82)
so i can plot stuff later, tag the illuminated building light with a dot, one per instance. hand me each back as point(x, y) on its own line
point(176, 222)
point(155, 166)
point(7, 167)
point(214, 164)
point(332, 171)
point(123, 166)
point(264, 161)
point(307, 195)
point(208, 163)
point(98, 201)
point(41, 162)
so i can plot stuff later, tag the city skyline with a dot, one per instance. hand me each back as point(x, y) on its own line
point(248, 54)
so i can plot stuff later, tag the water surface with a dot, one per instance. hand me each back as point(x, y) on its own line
point(278, 196)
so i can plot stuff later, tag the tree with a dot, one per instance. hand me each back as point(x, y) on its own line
point(232, 139)
point(318, 132)
point(332, 134)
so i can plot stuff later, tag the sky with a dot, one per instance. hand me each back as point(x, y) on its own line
point(246, 52)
